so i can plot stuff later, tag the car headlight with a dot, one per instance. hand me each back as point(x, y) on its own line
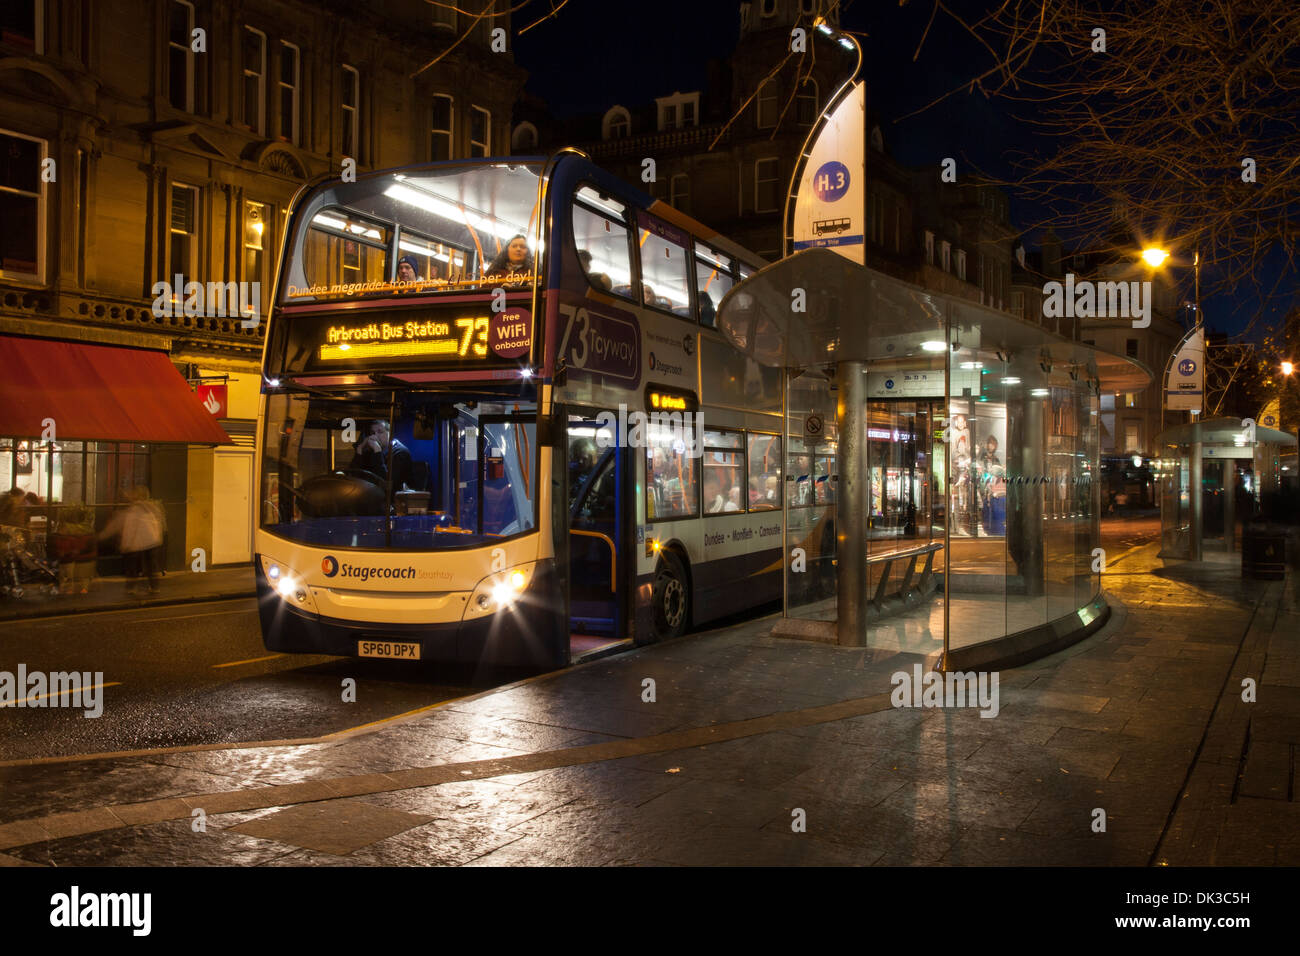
point(500, 591)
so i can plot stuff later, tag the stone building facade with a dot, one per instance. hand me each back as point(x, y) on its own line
point(142, 140)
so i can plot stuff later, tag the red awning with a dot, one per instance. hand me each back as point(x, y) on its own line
point(98, 393)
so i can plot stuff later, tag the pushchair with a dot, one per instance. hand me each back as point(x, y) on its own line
point(20, 570)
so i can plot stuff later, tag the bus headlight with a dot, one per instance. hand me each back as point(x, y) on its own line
point(291, 587)
point(500, 591)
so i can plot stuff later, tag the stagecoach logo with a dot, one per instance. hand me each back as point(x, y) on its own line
point(688, 343)
point(663, 368)
point(329, 565)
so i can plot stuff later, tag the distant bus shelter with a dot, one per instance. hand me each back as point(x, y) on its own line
point(941, 488)
point(1212, 475)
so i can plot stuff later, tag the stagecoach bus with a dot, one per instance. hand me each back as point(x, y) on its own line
point(498, 424)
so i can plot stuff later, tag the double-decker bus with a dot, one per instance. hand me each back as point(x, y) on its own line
point(498, 424)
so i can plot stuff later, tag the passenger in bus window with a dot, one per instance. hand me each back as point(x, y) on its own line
point(512, 263)
point(597, 278)
point(733, 500)
point(647, 293)
point(708, 314)
point(714, 502)
point(408, 270)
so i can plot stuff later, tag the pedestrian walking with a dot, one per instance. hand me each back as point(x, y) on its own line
point(140, 527)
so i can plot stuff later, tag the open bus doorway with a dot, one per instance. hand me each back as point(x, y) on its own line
point(598, 499)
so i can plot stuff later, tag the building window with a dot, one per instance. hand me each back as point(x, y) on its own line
point(929, 248)
point(616, 124)
point(22, 206)
point(1132, 437)
point(805, 103)
point(767, 8)
point(289, 77)
point(1131, 347)
point(961, 264)
point(480, 132)
point(22, 24)
point(180, 57)
point(440, 128)
point(255, 222)
point(679, 195)
point(254, 56)
point(767, 105)
point(1130, 399)
point(524, 138)
point(1018, 304)
point(350, 105)
point(444, 14)
point(678, 110)
point(766, 185)
point(183, 237)
point(945, 254)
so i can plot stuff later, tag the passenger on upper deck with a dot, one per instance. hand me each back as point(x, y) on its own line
point(512, 263)
point(597, 278)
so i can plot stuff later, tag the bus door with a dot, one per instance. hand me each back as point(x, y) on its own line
point(597, 467)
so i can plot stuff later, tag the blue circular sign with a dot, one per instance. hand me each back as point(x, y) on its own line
point(831, 181)
point(889, 383)
point(1187, 367)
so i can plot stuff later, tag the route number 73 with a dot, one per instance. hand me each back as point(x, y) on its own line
point(575, 317)
point(467, 328)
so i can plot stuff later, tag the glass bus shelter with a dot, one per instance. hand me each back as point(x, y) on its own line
point(941, 459)
point(1233, 464)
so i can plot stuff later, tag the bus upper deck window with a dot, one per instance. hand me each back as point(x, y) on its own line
point(664, 268)
point(712, 281)
point(601, 239)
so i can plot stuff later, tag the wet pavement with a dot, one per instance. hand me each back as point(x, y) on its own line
point(755, 750)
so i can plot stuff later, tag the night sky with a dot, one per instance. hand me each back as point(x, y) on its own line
point(630, 53)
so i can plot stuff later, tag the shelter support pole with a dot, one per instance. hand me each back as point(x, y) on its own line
point(1198, 501)
point(851, 504)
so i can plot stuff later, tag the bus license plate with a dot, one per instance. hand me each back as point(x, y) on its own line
point(396, 650)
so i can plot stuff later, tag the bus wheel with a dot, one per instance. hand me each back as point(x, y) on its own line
point(670, 597)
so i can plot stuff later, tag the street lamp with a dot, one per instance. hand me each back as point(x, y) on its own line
point(1155, 257)
point(1287, 368)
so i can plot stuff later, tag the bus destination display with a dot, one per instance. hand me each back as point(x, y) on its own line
point(464, 338)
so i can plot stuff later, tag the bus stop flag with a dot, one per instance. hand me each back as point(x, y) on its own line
point(1185, 376)
point(830, 207)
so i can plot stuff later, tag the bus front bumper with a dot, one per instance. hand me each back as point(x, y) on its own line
point(532, 633)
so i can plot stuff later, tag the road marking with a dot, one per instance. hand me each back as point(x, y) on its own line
point(1136, 547)
point(251, 660)
point(186, 617)
point(52, 620)
point(71, 690)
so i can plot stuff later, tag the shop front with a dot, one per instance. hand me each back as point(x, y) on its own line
point(84, 430)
